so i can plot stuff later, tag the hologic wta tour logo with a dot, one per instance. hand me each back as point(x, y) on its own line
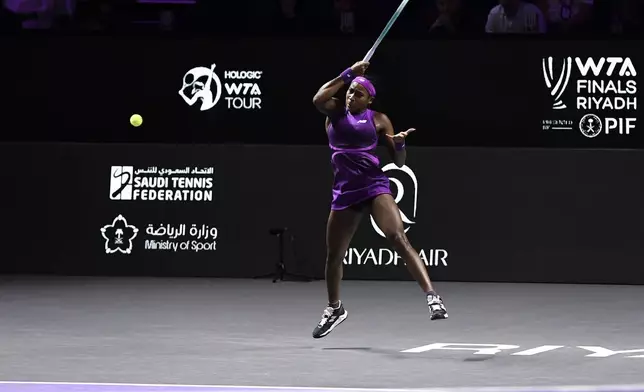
point(240, 89)
point(604, 96)
point(403, 188)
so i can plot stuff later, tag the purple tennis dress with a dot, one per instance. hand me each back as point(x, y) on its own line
point(356, 169)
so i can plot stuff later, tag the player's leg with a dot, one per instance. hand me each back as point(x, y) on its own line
point(341, 226)
point(387, 216)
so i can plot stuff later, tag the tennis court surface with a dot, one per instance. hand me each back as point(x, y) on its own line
point(183, 335)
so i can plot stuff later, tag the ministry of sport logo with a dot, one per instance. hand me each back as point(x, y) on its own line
point(600, 94)
point(202, 87)
point(118, 236)
point(400, 193)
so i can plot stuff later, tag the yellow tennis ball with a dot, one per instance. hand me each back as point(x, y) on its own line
point(136, 120)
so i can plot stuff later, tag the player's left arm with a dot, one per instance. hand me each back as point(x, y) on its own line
point(395, 142)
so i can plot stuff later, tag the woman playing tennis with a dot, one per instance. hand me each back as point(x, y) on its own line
point(360, 186)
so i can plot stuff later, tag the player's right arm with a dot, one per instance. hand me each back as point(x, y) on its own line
point(325, 100)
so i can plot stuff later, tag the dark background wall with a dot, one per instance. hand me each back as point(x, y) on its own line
point(486, 93)
point(517, 215)
point(499, 196)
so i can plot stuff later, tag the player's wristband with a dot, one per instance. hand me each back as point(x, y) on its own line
point(399, 146)
point(347, 76)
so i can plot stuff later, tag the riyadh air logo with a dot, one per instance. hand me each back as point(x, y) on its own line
point(197, 87)
point(118, 236)
point(558, 87)
point(400, 193)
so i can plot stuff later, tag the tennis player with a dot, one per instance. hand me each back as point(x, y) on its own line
point(360, 186)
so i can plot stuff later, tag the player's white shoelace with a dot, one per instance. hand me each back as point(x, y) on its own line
point(328, 312)
point(435, 303)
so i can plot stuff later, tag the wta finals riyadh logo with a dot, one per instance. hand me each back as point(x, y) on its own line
point(557, 89)
point(400, 193)
point(197, 85)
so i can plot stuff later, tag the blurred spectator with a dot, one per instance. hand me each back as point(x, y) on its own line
point(626, 16)
point(95, 15)
point(41, 14)
point(166, 20)
point(346, 9)
point(9, 21)
point(288, 8)
point(330, 17)
point(453, 18)
point(288, 20)
point(515, 17)
point(567, 15)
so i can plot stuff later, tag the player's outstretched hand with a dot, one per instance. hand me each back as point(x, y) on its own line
point(400, 137)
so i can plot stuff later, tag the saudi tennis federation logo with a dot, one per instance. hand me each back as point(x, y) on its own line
point(400, 193)
point(558, 87)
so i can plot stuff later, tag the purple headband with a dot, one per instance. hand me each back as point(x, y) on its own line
point(364, 82)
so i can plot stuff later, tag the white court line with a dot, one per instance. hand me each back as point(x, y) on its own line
point(208, 386)
point(571, 388)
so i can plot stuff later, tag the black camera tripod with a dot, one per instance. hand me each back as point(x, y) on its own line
point(280, 272)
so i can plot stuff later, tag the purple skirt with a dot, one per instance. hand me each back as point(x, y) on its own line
point(357, 177)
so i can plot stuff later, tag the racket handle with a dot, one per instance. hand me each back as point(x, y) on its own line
point(367, 58)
